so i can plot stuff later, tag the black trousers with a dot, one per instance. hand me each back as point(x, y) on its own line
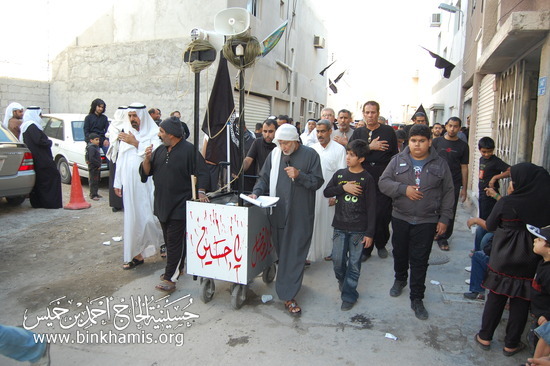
point(451, 225)
point(114, 200)
point(173, 232)
point(383, 219)
point(412, 245)
point(486, 205)
point(94, 175)
point(492, 313)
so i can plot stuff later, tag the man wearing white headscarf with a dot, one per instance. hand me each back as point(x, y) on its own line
point(13, 118)
point(142, 231)
point(333, 158)
point(47, 186)
point(115, 127)
point(293, 173)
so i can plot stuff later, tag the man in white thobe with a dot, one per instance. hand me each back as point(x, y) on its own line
point(333, 158)
point(142, 230)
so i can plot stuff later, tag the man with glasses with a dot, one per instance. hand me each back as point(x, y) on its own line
point(383, 145)
point(328, 113)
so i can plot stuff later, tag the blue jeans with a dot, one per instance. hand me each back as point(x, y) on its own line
point(346, 259)
point(19, 344)
point(482, 238)
point(479, 269)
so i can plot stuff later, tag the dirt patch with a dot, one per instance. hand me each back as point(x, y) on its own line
point(47, 254)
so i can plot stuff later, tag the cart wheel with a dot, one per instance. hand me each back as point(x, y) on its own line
point(269, 273)
point(207, 290)
point(238, 296)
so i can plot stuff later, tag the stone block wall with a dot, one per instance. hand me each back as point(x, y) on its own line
point(25, 92)
point(150, 72)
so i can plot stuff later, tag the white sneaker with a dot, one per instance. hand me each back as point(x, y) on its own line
point(468, 269)
point(467, 281)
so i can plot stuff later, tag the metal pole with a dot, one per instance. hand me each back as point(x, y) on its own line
point(241, 128)
point(196, 110)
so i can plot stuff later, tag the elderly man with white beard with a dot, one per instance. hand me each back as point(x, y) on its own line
point(142, 231)
point(333, 158)
point(293, 173)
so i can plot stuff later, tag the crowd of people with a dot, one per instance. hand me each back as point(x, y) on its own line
point(341, 185)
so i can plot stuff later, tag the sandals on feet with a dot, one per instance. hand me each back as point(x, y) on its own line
point(293, 308)
point(518, 349)
point(132, 264)
point(166, 286)
point(485, 347)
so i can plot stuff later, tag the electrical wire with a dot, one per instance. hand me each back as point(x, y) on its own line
point(252, 50)
point(199, 45)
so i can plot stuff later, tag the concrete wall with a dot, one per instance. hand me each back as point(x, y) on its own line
point(151, 72)
point(135, 54)
point(25, 92)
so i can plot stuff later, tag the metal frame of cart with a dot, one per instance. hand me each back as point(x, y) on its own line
point(229, 243)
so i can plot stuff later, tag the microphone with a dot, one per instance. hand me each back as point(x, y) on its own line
point(286, 159)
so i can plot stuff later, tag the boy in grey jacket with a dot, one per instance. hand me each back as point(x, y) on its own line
point(421, 186)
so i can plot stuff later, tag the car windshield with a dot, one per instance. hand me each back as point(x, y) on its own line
point(78, 130)
point(4, 137)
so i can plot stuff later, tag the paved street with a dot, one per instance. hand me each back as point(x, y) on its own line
point(258, 333)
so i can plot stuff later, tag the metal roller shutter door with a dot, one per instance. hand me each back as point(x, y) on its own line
point(485, 109)
point(256, 109)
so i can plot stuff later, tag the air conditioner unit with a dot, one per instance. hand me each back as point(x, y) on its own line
point(318, 42)
point(310, 107)
point(436, 20)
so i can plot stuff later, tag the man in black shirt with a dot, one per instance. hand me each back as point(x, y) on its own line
point(457, 154)
point(172, 164)
point(383, 145)
point(262, 146)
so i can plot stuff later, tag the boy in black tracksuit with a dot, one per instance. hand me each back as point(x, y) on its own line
point(93, 159)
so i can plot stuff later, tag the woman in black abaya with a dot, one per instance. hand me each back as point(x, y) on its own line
point(512, 263)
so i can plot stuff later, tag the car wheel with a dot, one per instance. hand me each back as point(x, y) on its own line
point(64, 170)
point(15, 201)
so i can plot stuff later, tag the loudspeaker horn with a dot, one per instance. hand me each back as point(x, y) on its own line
point(232, 21)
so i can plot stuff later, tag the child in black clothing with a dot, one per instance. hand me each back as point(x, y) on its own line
point(93, 159)
point(354, 219)
point(491, 169)
point(540, 291)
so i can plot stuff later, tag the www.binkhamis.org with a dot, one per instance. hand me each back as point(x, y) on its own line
point(110, 337)
point(165, 313)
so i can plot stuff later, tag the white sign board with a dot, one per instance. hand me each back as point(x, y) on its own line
point(217, 241)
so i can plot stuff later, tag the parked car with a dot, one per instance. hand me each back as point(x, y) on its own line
point(68, 144)
point(16, 168)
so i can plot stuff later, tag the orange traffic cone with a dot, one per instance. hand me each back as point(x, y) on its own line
point(77, 201)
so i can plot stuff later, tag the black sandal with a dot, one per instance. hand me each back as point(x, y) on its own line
point(133, 263)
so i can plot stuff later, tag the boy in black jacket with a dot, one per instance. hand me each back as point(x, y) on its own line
point(93, 159)
point(421, 186)
point(354, 219)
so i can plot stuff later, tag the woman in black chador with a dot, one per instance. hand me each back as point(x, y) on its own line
point(47, 187)
point(512, 263)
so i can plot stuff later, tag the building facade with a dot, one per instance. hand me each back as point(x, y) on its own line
point(506, 66)
point(134, 53)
